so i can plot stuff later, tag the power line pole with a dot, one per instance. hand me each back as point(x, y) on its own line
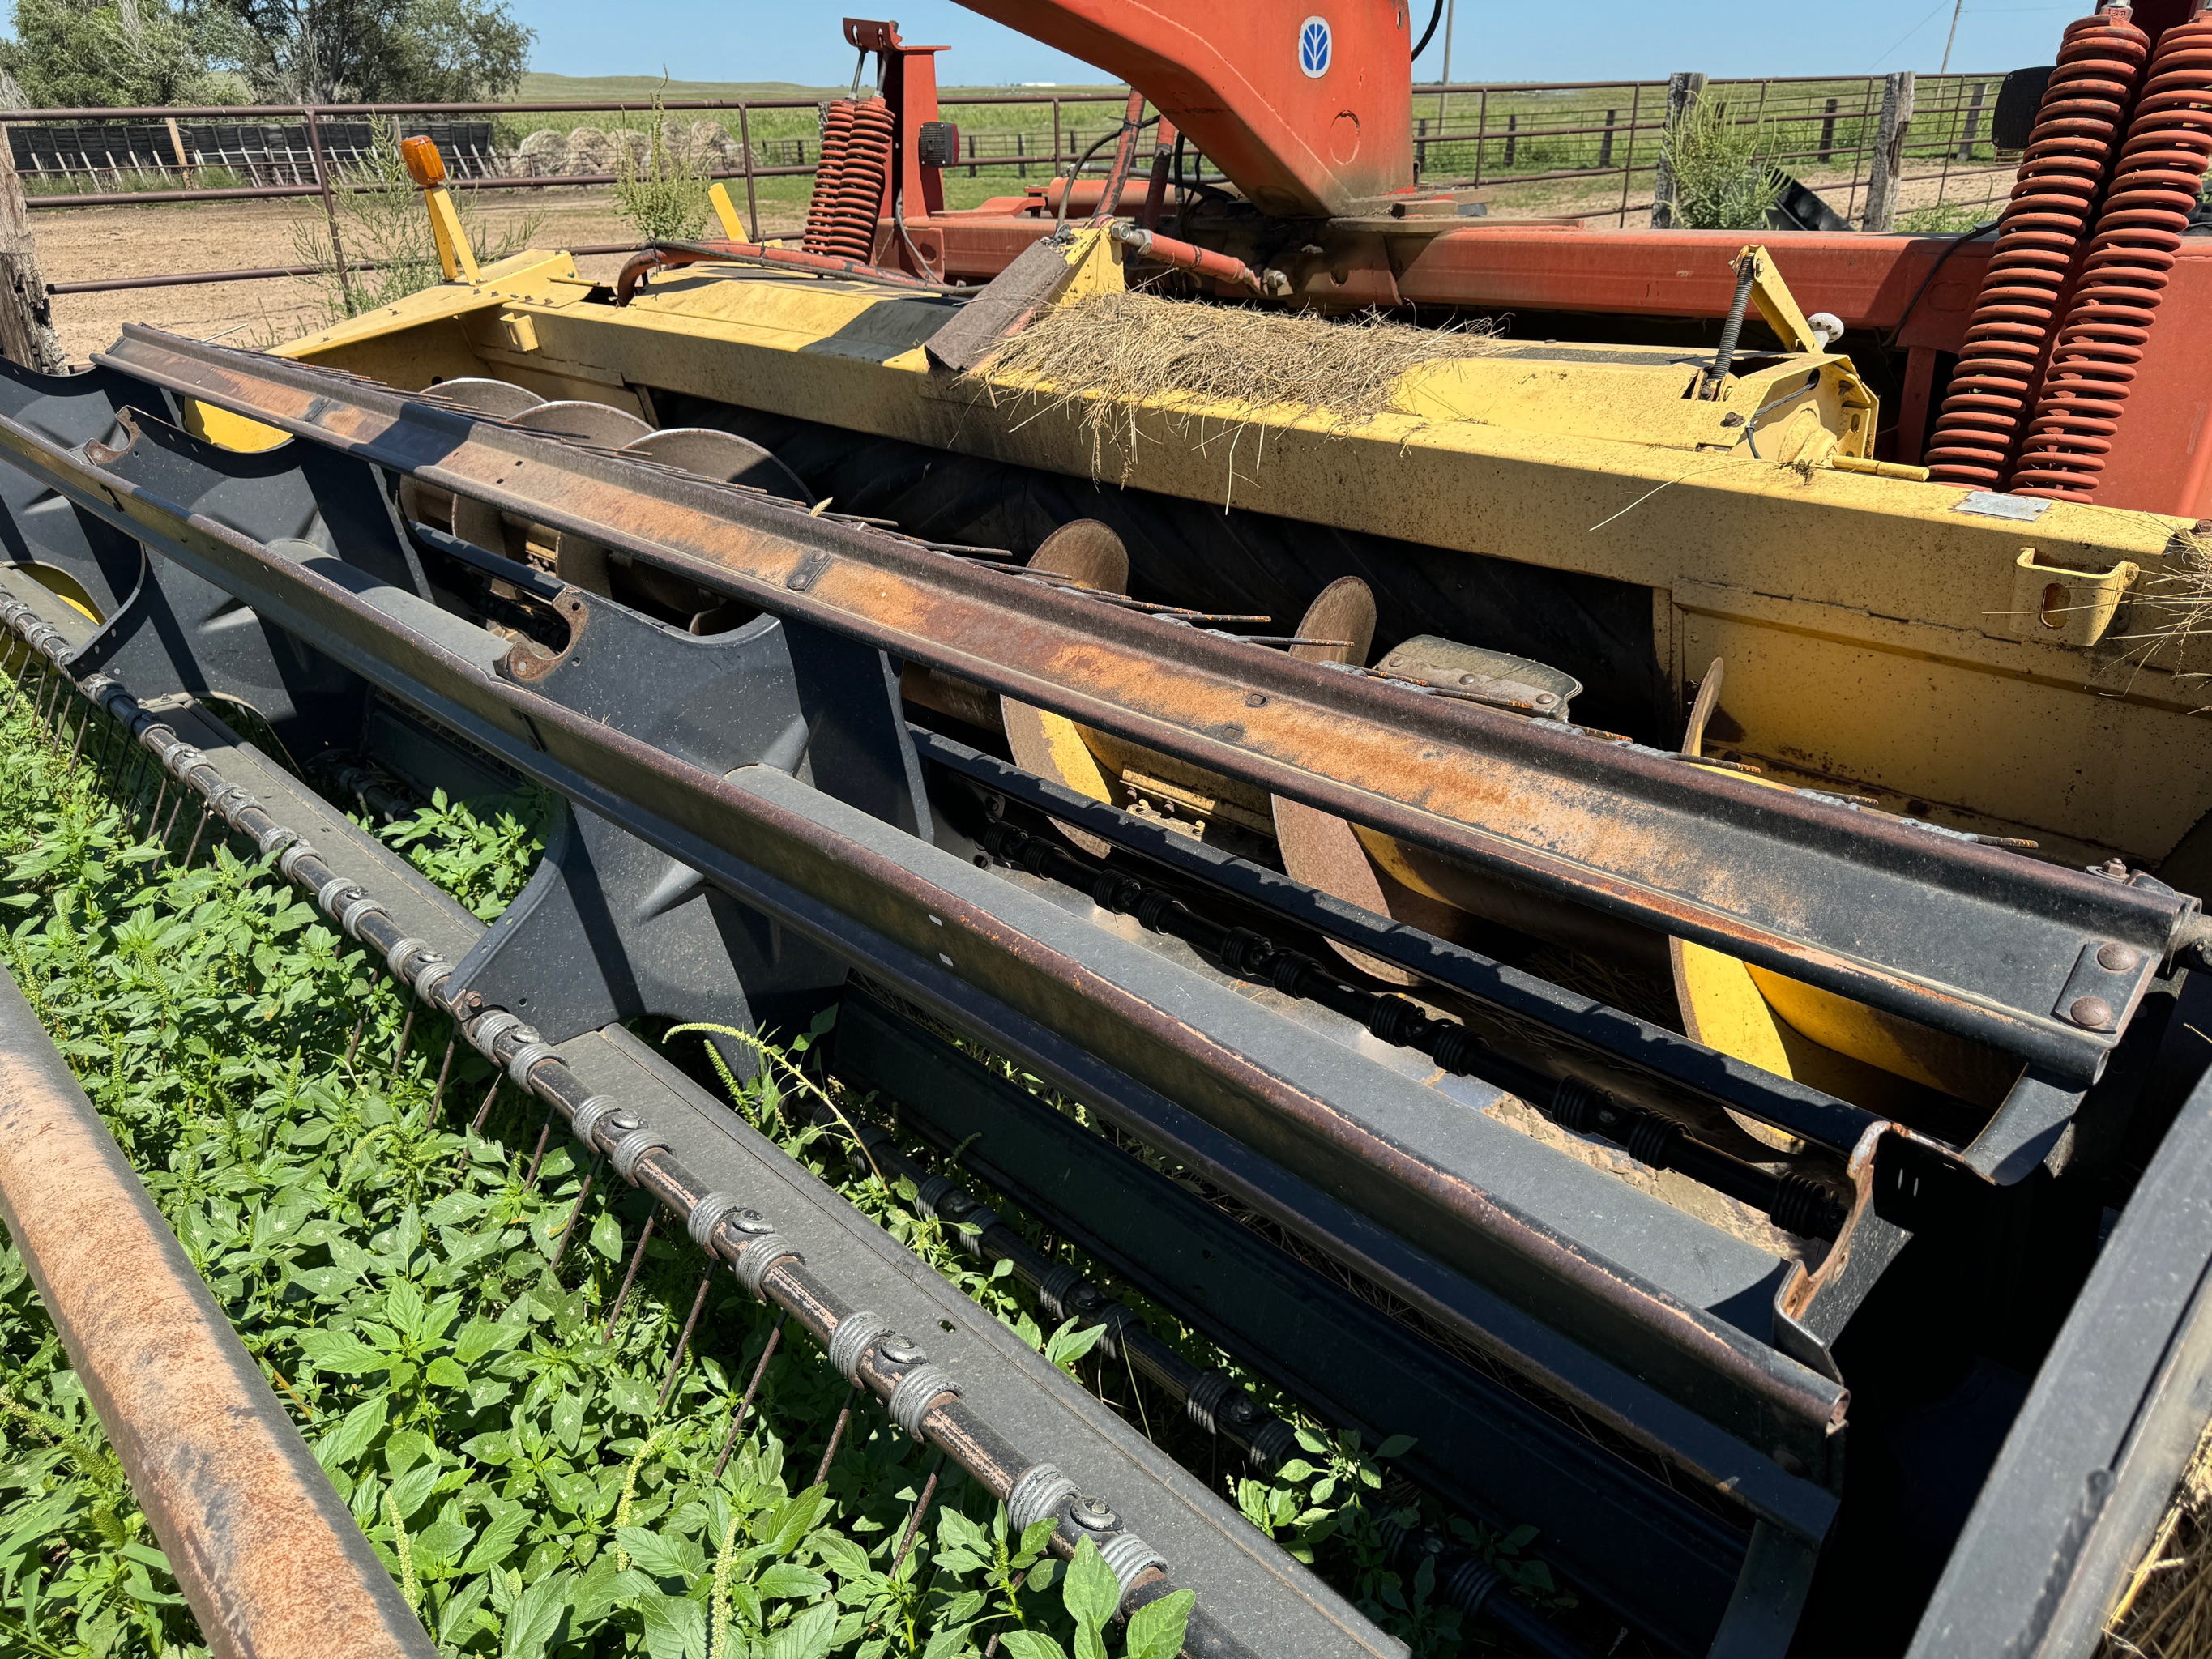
point(1959, 6)
point(1451, 9)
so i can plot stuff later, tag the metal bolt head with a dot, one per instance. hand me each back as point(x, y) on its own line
point(2118, 958)
point(2093, 1013)
point(749, 1221)
point(621, 1123)
point(1240, 1409)
point(902, 1350)
point(1256, 699)
point(954, 1205)
point(1094, 1515)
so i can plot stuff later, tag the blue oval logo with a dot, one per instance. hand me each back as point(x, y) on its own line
point(1313, 47)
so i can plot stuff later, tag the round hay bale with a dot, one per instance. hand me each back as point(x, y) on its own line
point(589, 151)
point(543, 154)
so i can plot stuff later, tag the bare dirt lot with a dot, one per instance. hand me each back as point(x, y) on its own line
point(90, 243)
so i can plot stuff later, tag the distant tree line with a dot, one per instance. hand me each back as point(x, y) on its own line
point(116, 53)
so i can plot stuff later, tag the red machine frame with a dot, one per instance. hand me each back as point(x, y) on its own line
point(1231, 77)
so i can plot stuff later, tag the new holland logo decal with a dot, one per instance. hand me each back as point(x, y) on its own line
point(1314, 47)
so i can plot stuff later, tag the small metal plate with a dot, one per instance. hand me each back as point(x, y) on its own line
point(808, 571)
point(2101, 992)
point(1994, 504)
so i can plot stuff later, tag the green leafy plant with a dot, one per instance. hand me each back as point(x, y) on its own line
point(386, 232)
point(662, 192)
point(498, 1433)
point(1721, 166)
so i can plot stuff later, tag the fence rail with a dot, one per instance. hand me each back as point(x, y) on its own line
point(1585, 149)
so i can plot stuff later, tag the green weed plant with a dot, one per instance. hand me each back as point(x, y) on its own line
point(502, 1448)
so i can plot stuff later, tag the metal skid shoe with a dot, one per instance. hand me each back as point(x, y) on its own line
point(609, 929)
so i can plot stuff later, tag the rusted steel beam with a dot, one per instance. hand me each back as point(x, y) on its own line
point(1970, 939)
point(272, 1564)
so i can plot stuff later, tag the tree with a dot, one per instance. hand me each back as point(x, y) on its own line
point(381, 50)
point(109, 53)
point(68, 54)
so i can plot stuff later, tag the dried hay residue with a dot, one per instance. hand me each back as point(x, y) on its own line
point(2170, 608)
point(1115, 353)
point(2165, 1612)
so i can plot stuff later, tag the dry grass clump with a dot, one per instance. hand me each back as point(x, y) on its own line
point(2166, 1611)
point(2172, 606)
point(1113, 353)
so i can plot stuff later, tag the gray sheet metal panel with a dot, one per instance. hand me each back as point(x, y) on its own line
point(2116, 1411)
point(1673, 1252)
point(1621, 1039)
point(1245, 1580)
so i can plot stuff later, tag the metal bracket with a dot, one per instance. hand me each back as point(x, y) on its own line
point(609, 929)
point(2108, 980)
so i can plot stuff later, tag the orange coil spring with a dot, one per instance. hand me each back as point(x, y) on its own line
point(851, 231)
point(828, 175)
point(1993, 387)
point(2107, 332)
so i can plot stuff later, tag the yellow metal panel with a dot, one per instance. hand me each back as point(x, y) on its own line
point(229, 431)
point(2085, 774)
point(530, 276)
point(1866, 621)
point(1723, 1009)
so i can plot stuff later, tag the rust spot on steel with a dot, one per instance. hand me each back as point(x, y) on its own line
point(271, 1563)
point(530, 662)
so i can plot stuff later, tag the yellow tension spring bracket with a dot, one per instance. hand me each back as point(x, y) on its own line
point(428, 169)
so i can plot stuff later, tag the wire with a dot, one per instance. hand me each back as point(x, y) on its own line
point(1934, 11)
point(1941, 259)
point(1068, 190)
point(1436, 15)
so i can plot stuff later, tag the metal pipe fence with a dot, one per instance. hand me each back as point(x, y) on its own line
point(1578, 148)
point(1603, 139)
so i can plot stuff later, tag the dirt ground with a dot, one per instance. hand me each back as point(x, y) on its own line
point(88, 244)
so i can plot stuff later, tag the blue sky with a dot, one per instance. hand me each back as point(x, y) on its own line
point(1494, 39)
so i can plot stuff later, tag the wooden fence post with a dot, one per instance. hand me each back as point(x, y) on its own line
point(1973, 122)
point(1889, 151)
point(27, 322)
point(1683, 88)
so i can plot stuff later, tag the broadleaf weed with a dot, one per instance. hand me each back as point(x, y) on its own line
point(388, 1272)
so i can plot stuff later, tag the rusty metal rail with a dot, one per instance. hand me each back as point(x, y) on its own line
point(1975, 940)
point(269, 1559)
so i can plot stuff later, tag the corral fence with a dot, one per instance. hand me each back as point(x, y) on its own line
point(1586, 150)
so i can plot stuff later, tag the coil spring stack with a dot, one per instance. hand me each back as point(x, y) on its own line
point(2040, 237)
point(848, 185)
point(829, 170)
point(2154, 189)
